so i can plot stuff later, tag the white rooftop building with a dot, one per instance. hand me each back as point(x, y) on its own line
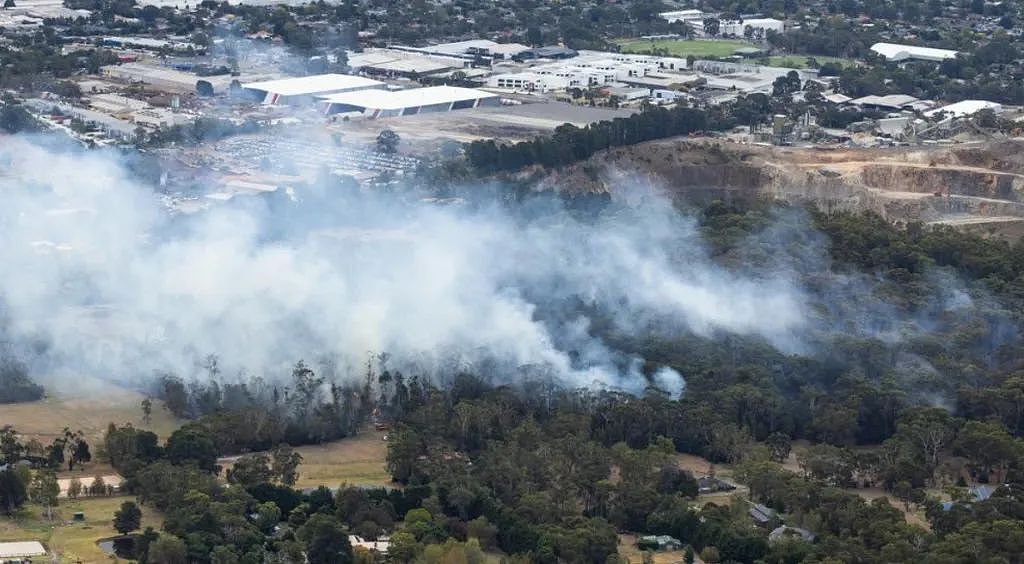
point(145, 43)
point(374, 104)
point(895, 52)
point(20, 550)
point(306, 88)
point(592, 69)
point(890, 101)
point(682, 16)
point(528, 81)
point(116, 104)
point(471, 48)
point(965, 108)
point(738, 28)
point(396, 62)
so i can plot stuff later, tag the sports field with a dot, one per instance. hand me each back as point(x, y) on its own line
point(685, 47)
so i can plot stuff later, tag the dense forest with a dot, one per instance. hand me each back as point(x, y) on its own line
point(910, 381)
point(15, 383)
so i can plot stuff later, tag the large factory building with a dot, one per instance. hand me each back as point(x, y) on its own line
point(407, 102)
point(306, 89)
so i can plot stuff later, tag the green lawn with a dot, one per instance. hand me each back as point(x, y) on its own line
point(721, 48)
point(800, 61)
point(73, 541)
point(685, 47)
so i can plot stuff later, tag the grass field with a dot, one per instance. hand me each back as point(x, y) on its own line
point(721, 48)
point(359, 461)
point(800, 61)
point(72, 541)
point(685, 47)
point(89, 412)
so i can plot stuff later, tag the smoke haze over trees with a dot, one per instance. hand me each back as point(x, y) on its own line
point(521, 351)
point(102, 279)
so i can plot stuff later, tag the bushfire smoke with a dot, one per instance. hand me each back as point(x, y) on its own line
point(99, 279)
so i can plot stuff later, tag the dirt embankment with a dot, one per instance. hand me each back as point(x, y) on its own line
point(979, 186)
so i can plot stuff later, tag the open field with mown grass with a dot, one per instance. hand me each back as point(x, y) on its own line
point(685, 47)
point(72, 541)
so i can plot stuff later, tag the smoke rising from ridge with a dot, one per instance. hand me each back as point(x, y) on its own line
point(102, 279)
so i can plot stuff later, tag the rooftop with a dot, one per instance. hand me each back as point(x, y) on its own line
point(22, 549)
point(463, 47)
point(407, 98)
point(890, 101)
point(315, 84)
point(897, 52)
point(966, 108)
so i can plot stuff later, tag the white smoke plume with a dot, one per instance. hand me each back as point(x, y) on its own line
point(98, 279)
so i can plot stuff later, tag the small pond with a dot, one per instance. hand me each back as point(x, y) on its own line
point(121, 547)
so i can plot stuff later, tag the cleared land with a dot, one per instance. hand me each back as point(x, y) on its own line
point(73, 541)
point(633, 555)
point(89, 412)
point(359, 461)
point(685, 47)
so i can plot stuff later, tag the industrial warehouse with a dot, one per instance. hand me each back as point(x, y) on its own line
point(305, 89)
point(408, 102)
point(509, 90)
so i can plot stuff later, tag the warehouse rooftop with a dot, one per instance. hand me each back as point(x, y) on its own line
point(896, 52)
point(394, 100)
point(316, 84)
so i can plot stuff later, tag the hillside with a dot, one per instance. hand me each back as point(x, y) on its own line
point(978, 187)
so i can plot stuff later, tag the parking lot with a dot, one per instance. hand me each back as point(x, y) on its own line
point(261, 151)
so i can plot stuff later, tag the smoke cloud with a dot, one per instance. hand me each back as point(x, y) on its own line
point(99, 279)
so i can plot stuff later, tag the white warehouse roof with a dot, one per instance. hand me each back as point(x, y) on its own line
point(414, 97)
point(896, 52)
point(315, 84)
point(24, 549)
point(966, 108)
point(888, 101)
point(463, 47)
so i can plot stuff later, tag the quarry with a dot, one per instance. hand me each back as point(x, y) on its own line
point(977, 187)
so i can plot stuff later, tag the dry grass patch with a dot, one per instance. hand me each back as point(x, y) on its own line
point(359, 460)
point(914, 515)
point(629, 551)
point(696, 465)
point(91, 412)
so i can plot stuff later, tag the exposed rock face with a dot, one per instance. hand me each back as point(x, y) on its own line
point(945, 181)
point(978, 187)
